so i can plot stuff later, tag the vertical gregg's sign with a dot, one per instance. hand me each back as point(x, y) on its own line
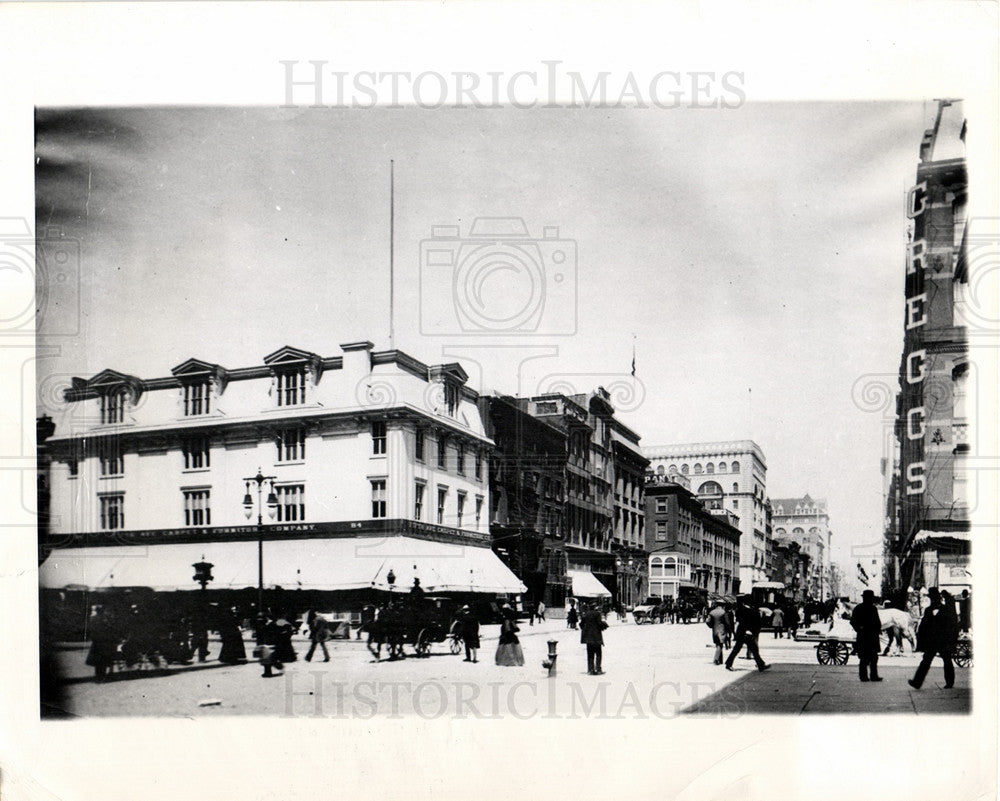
point(914, 367)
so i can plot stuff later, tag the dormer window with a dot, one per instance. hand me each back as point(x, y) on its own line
point(113, 407)
point(197, 399)
point(451, 398)
point(291, 387)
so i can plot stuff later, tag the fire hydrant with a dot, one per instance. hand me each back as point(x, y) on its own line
point(550, 663)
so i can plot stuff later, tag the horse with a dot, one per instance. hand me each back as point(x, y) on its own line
point(386, 629)
point(897, 625)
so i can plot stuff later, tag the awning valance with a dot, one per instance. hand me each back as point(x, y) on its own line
point(346, 563)
point(586, 585)
point(924, 534)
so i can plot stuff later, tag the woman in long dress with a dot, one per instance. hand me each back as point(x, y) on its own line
point(509, 651)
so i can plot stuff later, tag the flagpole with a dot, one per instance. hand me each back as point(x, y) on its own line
point(392, 253)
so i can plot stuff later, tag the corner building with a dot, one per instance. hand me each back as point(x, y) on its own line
point(379, 465)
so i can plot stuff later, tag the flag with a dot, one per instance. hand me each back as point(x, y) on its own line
point(862, 575)
point(633, 356)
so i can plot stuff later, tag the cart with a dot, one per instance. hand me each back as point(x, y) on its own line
point(831, 648)
point(963, 652)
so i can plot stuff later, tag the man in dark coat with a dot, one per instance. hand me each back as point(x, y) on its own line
point(748, 629)
point(591, 626)
point(865, 621)
point(719, 621)
point(468, 630)
point(937, 635)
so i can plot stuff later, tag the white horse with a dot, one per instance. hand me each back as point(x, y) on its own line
point(897, 625)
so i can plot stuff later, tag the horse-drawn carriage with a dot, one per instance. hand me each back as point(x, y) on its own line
point(416, 622)
point(650, 612)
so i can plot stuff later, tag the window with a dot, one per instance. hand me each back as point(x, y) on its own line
point(442, 451)
point(736, 487)
point(661, 504)
point(479, 466)
point(661, 530)
point(291, 387)
point(442, 500)
point(378, 497)
point(479, 509)
point(112, 512)
point(684, 469)
point(735, 467)
point(418, 501)
point(451, 398)
point(113, 408)
point(460, 509)
point(419, 449)
point(197, 511)
point(291, 502)
point(74, 467)
point(291, 444)
point(460, 458)
point(710, 468)
point(378, 437)
point(196, 399)
point(722, 467)
point(74, 457)
point(110, 455)
point(697, 469)
point(196, 453)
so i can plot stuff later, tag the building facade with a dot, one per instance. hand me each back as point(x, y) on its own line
point(690, 546)
point(372, 464)
point(604, 508)
point(730, 475)
point(806, 521)
point(931, 544)
point(527, 497)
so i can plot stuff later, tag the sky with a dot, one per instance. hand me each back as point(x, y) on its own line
point(752, 259)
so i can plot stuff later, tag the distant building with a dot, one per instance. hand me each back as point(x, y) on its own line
point(806, 521)
point(693, 550)
point(932, 544)
point(730, 475)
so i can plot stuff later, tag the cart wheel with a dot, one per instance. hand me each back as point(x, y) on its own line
point(456, 645)
point(843, 653)
point(826, 652)
point(963, 654)
point(423, 643)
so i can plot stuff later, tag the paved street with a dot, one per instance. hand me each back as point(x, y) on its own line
point(651, 671)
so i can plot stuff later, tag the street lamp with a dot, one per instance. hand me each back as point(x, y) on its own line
point(272, 510)
point(203, 575)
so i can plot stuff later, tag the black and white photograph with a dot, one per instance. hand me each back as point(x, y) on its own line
point(570, 407)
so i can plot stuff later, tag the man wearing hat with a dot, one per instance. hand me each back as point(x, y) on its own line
point(865, 621)
point(468, 630)
point(936, 636)
point(748, 629)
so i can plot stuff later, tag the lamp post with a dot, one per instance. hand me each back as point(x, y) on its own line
point(272, 510)
point(203, 575)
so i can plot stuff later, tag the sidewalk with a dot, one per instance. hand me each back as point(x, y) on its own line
point(788, 689)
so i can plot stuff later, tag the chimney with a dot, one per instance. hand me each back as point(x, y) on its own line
point(357, 362)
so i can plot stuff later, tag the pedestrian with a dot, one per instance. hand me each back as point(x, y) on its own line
point(866, 622)
point(937, 636)
point(540, 611)
point(778, 623)
point(792, 622)
point(468, 630)
point(591, 628)
point(509, 653)
point(965, 612)
point(267, 651)
point(571, 616)
point(718, 622)
point(319, 633)
point(367, 618)
point(748, 629)
point(232, 651)
point(103, 644)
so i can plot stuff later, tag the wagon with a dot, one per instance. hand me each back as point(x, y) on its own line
point(649, 613)
point(830, 649)
point(963, 652)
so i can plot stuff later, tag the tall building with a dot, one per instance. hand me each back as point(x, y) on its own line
point(527, 497)
point(374, 467)
point(605, 518)
point(730, 475)
point(932, 544)
point(806, 521)
point(694, 551)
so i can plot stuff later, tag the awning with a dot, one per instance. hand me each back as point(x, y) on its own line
point(924, 534)
point(769, 585)
point(586, 585)
point(315, 564)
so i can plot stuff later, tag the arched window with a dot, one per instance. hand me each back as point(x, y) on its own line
point(797, 530)
point(780, 532)
point(697, 469)
point(814, 530)
point(736, 487)
point(710, 488)
point(684, 469)
point(722, 467)
point(710, 468)
point(673, 469)
point(735, 467)
point(659, 470)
